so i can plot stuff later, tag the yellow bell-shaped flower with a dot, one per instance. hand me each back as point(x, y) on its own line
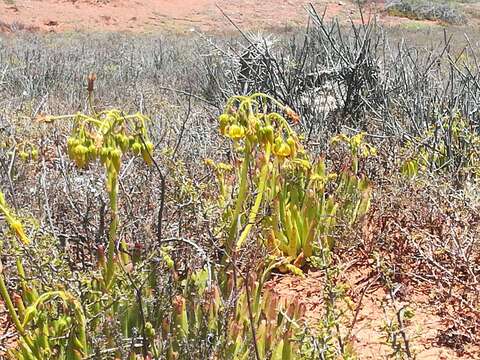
point(236, 132)
point(282, 150)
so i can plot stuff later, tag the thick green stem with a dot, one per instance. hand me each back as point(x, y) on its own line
point(81, 322)
point(112, 231)
point(242, 194)
point(11, 310)
point(258, 200)
point(9, 304)
point(29, 293)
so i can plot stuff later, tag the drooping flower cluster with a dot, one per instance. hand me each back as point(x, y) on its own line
point(107, 138)
point(247, 120)
point(27, 151)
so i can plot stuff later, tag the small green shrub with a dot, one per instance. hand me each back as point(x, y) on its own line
point(453, 145)
point(301, 201)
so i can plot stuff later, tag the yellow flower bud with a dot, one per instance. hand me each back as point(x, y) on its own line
point(293, 145)
point(19, 232)
point(282, 150)
point(147, 153)
point(224, 120)
point(23, 155)
point(332, 177)
point(357, 139)
point(92, 152)
point(116, 155)
point(80, 150)
point(104, 153)
point(71, 145)
point(339, 138)
point(80, 155)
point(224, 167)
point(236, 132)
point(267, 133)
point(209, 162)
point(149, 330)
point(34, 154)
point(122, 141)
point(136, 148)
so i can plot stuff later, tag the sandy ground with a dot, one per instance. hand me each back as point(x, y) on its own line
point(170, 15)
point(375, 309)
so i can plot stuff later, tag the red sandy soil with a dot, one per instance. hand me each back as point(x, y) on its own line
point(368, 335)
point(170, 15)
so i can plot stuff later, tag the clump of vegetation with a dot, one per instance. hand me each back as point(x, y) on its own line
point(168, 229)
point(443, 11)
point(306, 203)
point(452, 146)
